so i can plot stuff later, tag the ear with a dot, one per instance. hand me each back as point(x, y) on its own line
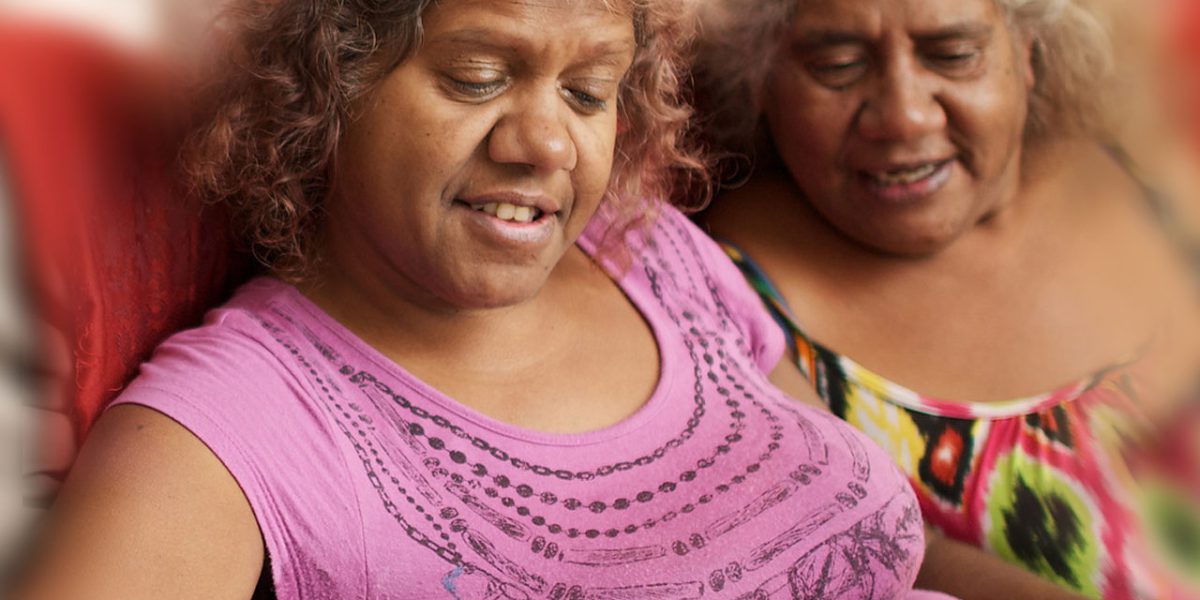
point(1029, 47)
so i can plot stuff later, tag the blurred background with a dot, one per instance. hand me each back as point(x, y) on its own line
point(151, 25)
point(101, 256)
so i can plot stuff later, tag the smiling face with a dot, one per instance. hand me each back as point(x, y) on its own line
point(901, 120)
point(465, 176)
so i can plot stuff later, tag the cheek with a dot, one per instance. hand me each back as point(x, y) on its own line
point(809, 143)
point(595, 146)
point(815, 133)
point(992, 117)
point(433, 138)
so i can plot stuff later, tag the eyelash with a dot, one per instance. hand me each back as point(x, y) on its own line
point(477, 89)
point(588, 101)
point(483, 89)
point(837, 67)
point(956, 58)
point(837, 75)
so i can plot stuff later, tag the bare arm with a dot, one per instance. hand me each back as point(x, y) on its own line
point(950, 566)
point(148, 512)
point(969, 573)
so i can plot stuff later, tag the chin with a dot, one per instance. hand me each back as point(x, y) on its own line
point(493, 301)
point(916, 248)
point(912, 245)
point(497, 291)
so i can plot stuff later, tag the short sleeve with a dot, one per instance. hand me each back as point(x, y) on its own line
point(767, 341)
point(241, 400)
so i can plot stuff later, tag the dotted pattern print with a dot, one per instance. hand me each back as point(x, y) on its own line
point(728, 490)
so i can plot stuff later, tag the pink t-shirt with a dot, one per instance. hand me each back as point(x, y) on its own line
point(368, 483)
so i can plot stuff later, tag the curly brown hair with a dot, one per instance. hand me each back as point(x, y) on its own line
point(282, 98)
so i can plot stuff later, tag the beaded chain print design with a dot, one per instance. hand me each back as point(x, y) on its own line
point(430, 470)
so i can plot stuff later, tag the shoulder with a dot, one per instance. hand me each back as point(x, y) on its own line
point(148, 512)
point(245, 349)
point(252, 388)
point(247, 382)
point(694, 271)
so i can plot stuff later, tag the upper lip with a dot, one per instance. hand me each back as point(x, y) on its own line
point(542, 202)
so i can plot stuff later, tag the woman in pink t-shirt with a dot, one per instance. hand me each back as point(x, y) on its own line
point(484, 362)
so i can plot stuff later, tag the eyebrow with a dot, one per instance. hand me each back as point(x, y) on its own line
point(817, 38)
point(604, 52)
point(957, 31)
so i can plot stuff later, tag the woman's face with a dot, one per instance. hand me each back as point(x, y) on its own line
point(476, 163)
point(900, 120)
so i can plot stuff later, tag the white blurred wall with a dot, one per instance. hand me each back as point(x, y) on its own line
point(138, 24)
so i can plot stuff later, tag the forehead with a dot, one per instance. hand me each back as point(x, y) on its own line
point(869, 17)
point(532, 28)
point(564, 14)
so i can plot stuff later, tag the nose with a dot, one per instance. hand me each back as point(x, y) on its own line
point(902, 106)
point(534, 133)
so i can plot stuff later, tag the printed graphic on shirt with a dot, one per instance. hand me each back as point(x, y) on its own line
point(748, 496)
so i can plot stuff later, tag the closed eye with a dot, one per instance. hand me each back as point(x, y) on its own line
point(587, 101)
point(839, 67)
point(590, 93)
point(476, 89)
point(955, 57)
point(837, 73)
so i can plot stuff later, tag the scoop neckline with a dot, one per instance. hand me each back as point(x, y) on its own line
point(1020, 406)
point(637, 297)
point(904, 396)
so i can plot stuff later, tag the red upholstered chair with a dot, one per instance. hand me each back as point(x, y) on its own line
point(116, 258)
point(1185, 22)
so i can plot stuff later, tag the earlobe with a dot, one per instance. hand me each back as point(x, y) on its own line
point(1029, 48)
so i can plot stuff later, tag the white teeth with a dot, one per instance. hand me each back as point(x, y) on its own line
point(905, 176)
point(510, 212)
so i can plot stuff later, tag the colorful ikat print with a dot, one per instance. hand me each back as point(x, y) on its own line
point(1053, 483)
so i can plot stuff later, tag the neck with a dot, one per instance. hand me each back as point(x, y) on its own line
point(410, 325)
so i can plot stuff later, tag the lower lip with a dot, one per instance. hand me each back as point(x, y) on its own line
point(511, 233)
point(903, 193)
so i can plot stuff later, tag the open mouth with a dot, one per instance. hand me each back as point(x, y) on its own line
point(908, 182)
point(507, 211)
point(510, 212)
point(905, 175)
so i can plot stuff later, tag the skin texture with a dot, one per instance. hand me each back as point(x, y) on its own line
point(512, 98)
point(147, 512)
point(1056, 271)
point(504, 97)
point(527, 109)
point(483, 109)
point(1029, 267)
point(503, 100)
point(885, 85)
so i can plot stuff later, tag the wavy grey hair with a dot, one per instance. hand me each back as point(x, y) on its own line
point(1072, 62)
